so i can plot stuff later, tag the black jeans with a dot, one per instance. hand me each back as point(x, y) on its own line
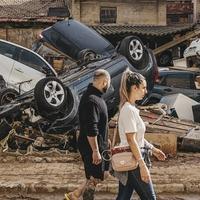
point(134, 183)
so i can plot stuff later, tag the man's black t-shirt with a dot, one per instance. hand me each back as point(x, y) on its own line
point(93, 119)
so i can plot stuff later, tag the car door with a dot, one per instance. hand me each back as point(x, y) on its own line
point(28, 67)
point(178, 83)
point(7, 55)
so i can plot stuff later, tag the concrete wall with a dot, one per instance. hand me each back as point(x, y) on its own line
point(196, 10)
point(24, 37)
point(151, 12)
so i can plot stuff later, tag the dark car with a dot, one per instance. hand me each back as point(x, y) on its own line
point(72, 37)
point(174, 81)
point(51, 108)
point(81, 43)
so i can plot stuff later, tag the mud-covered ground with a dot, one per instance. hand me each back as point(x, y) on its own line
point(100, 196)
point(48, 175)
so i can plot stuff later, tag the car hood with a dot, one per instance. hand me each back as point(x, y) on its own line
point(71, 36)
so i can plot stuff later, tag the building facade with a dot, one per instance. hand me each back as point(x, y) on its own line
point(180, 12)
point(143, 12)
point(196, 10)
point(21, 21)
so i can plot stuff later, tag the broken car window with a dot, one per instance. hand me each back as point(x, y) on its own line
point(31, 60)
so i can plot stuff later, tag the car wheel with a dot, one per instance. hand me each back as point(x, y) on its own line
point(133, 49)
point(7, 95)
point(66, 118)
point(86, 55)
point(165, 59)
point(50, 94)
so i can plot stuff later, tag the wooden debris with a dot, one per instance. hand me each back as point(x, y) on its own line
point(167, 132)
point(166, 142)
point(191, 142)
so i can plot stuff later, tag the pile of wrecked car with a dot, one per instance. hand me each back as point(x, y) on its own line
point(48, 109)
point(40, 95)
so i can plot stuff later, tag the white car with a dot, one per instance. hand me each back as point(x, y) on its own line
point(193, 49)
point(22, 66)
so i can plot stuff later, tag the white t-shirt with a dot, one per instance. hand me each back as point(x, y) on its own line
point(131, 122)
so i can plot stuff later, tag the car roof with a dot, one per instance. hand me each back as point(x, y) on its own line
point(14, 44)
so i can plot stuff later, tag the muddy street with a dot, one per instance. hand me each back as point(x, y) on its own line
point(48, 175)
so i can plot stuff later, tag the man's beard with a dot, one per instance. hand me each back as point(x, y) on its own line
point(105, 89)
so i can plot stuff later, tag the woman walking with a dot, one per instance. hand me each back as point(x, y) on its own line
point(131, 132)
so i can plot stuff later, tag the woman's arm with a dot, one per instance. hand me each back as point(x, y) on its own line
point(147, 144)
point(131, 139)
point(156, 152)
point(144, 172)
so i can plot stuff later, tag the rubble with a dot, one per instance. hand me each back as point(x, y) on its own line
point(191, 141)
point(181, 104)
point(166, 142)
point(172, 128)
point(167, 132)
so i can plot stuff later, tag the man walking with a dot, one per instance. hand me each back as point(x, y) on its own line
point(93, 138)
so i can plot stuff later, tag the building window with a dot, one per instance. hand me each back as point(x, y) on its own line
point(58, 12)
point(173, 18)
point(108, 14)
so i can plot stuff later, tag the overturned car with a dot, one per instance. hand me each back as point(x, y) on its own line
point(50, 110)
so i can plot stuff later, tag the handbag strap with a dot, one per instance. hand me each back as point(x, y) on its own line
point(115, 133)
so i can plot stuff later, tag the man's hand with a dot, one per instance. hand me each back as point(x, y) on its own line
point(158, 154)
point(96, 157)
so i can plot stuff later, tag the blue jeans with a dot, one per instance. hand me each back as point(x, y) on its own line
point(134, 183)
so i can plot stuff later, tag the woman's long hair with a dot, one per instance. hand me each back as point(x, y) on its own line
point(128, 79)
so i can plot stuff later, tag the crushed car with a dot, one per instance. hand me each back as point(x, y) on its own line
point(173, 82)
point(20, 70)
point(50, 109)
point(192, 53)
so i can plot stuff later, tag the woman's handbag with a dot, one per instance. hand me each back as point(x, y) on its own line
point(122, 158)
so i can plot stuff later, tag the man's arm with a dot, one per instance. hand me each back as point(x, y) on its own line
point(93, 131)
point(96, 156)
point(93, 143)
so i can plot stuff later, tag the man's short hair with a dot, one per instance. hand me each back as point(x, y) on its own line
point(100, 73)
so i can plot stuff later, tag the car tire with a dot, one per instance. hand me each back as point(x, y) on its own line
point(165, 59)
point(50, 95)
point(7, 95)
point(133, 49)
point(67, 115)
point(86, 55)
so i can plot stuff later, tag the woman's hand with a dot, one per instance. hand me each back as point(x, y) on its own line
point(144, 173)
point(158, 154)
